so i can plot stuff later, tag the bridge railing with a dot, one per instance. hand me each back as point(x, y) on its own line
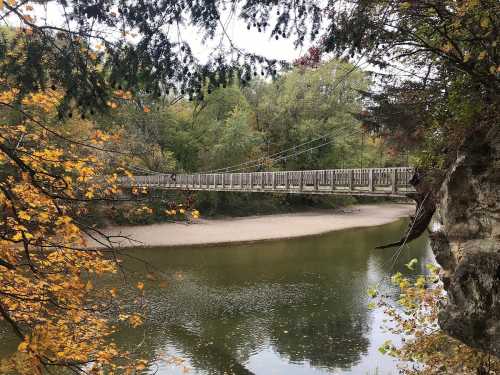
point(357, 181)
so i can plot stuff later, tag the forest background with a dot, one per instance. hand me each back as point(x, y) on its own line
point(309, 111)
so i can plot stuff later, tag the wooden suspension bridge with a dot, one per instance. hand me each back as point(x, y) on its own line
point(387, 182)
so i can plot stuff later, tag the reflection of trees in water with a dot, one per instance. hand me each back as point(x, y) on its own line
point(209, 352)
point(323, 340)
point(203, 351)
point(332, 334)
point(306, 297)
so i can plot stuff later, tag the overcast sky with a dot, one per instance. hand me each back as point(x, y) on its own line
point(247, 40)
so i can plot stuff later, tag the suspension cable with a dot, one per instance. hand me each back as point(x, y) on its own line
point(292, 155)
point(261, 160)
point(263, 157)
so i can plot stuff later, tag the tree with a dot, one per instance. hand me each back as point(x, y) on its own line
point(48, 275)
point(313, 106)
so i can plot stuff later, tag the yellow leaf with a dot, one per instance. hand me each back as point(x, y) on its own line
point(43, 217)
point(1, 4)
point(135, 320)
point(447, 47)
point(140, 285)
point(22, 346)
point(24, 215)
point(113, 292)
point(89, 286)
point(482, 55)
point(146, 109)
point(485, 22)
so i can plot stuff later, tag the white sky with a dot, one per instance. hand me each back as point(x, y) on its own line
point(247, 40)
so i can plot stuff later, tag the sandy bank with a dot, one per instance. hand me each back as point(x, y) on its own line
point(256, 228)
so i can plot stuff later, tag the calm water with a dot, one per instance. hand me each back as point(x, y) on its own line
point(283, 307)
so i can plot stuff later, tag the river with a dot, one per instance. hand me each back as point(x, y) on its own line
point(297, 306)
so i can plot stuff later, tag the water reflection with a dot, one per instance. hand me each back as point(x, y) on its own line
point(274, 307)
point(283, 307)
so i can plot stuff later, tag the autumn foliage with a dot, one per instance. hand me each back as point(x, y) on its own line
point(425, 348)
point(50, 171)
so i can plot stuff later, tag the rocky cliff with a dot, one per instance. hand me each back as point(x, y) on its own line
point(467, 246)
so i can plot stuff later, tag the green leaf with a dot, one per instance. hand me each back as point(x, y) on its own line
point(411, 264)
point(406, 5)
point(396, 278)
point(372, 292)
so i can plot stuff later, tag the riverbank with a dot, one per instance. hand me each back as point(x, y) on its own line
point(258, 228)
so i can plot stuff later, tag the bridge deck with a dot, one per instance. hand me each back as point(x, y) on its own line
point(392, 182)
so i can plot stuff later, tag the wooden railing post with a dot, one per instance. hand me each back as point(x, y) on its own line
point(231, 180)
point(287, 182)
point(351, 179)
point(262, 175)
point(315, 180)
point(251, 180)
point(332, 181)
point(301, 180)
point(394, 181)
point(273, 179)
point(370, 180)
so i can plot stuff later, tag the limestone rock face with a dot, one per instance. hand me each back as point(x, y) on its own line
point(468, 244)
